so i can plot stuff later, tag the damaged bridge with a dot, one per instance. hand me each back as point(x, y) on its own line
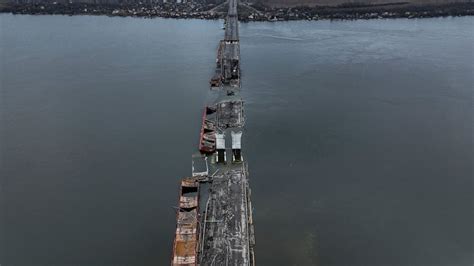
point(228, 53)
point(214, 217)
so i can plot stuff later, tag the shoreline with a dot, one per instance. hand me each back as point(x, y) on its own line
point(246, 13)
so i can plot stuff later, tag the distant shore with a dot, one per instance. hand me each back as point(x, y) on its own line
point(247, 12)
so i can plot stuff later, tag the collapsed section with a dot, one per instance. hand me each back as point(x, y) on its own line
point(230, 114)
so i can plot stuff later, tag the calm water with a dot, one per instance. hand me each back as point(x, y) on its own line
point(359, 138)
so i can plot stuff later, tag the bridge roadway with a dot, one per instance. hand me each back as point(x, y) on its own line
point(232, 20)
point(215, 225)
point(227, 236)
point(231, 29)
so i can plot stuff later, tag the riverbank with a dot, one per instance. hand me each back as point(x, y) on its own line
point(247, 12)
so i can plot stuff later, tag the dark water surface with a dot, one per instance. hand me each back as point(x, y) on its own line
point(358, 136)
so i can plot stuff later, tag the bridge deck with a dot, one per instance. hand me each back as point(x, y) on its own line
point(231, 29)
point(224, 210)
point(226, 235)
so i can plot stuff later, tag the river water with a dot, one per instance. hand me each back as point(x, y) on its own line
point(358, 138)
